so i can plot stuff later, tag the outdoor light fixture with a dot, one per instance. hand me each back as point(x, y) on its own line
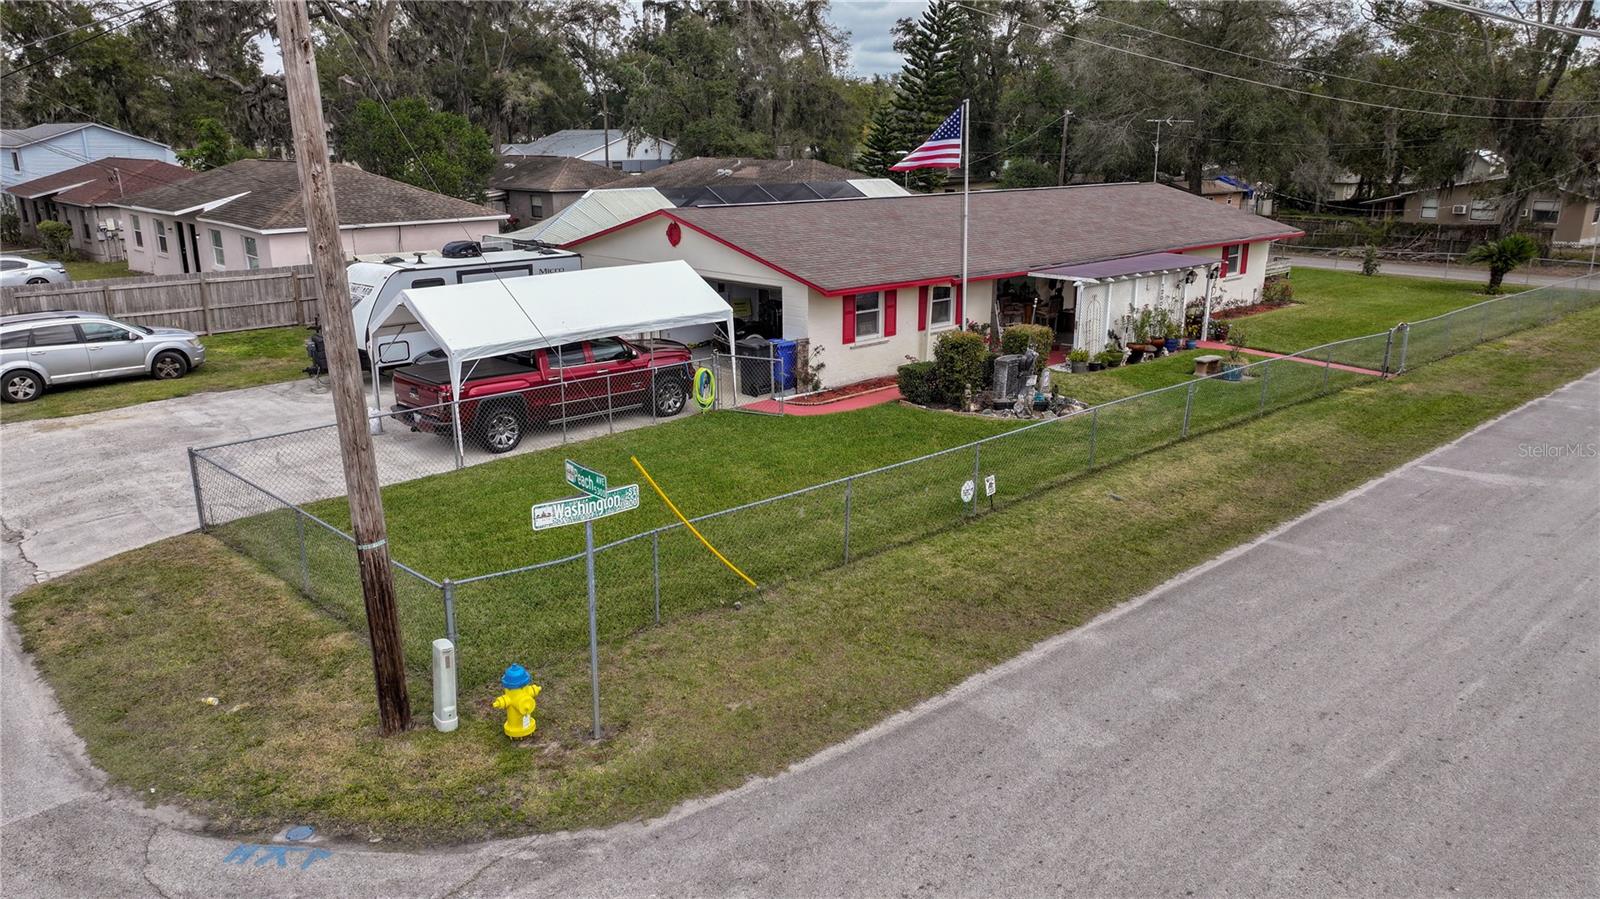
point(1213, 272)
point(1190, 277)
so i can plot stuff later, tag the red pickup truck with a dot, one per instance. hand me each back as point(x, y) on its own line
point(503, 396)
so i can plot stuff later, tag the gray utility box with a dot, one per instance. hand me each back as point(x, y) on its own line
point(1009, 374)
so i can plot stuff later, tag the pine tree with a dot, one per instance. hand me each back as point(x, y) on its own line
point(885, 142)
point(930, 84)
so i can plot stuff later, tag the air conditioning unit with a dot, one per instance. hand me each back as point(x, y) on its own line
point(1460, 209)
point(1526, 213)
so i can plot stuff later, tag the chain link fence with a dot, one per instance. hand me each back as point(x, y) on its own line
point(252, 495)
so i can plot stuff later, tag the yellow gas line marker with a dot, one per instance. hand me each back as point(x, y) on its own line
point(692, 529)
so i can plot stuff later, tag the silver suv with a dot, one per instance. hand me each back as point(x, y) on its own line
point(42, 349)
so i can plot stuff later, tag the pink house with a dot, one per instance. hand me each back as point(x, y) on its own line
point(248, 215)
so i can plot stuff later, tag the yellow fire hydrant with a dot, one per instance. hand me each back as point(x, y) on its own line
point(518, 701)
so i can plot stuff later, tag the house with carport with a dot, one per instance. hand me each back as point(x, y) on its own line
point(868, 283)
point(249, 214)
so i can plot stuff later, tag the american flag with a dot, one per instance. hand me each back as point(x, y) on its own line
point(941, 151)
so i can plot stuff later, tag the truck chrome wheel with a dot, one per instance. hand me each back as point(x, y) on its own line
point(503, 431)
point(670, 398)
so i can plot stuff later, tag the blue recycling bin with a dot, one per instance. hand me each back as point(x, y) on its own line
point(785, 349)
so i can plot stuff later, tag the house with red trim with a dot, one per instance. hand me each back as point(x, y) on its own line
point(872, 281)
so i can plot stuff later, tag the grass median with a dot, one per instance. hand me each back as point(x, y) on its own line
point(233, 360)
point(706, 700)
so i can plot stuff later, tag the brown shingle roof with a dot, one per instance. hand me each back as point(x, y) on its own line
point(704, 171)
point(108, 179)
point(549, 173)
point(271, 197)
point(836, 245)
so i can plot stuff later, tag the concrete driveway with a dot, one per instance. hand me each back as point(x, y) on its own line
point(86, 487)
point(1394, 694)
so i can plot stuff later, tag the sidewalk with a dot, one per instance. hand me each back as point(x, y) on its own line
point(1431, 270)
point(846, 404)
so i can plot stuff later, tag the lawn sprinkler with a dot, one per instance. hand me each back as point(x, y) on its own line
point(518, 701)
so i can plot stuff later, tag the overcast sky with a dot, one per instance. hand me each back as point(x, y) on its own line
point(868, 21)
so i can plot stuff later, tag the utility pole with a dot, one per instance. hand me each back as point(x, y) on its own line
point(605, 123)
point(1169, 121)
point(1061, 167)
point(344, 370)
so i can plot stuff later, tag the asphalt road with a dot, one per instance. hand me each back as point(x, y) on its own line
point(1434, 270)
point(1394, 695)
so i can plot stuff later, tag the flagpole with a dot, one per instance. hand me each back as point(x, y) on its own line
point(966, 196)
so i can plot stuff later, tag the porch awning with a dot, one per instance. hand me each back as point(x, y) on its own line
point(1126, 267)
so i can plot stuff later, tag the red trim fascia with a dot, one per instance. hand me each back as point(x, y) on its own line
point(1291, 235)
point(896, 285)
point(667, 214)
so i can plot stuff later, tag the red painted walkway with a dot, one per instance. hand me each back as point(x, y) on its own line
point(848, 404)
point(1215, 345)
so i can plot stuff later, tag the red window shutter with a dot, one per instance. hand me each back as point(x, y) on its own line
point(889, 313)
point(1244, 258)
point(922, 308)
point(1225, 261)
point(849, 318)
point(955, 288)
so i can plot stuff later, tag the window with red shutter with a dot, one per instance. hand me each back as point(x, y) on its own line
point(889, 315)
point(960, 306)
point(849, 318)
point(1244, 258)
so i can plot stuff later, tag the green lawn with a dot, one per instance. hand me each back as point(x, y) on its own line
point(88, 270)
point(1338, 305)
point(709, 699)
point(238, 359)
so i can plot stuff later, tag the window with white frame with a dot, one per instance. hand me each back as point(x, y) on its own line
point(1231, 255)
point(1430, 205)
point(1546, 212)
point(869, 315)
point(252, 259)
point(535, 208)
point(216, 247)
point(138, 234)
point(1483, 211)
point(161, 236)
point(941, 306)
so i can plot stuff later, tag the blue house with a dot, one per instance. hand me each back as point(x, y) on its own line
point(30, 153)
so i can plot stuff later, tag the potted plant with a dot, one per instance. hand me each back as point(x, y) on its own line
point(1110, 357)
point(1168, 330)
point(1080, 361)
point(1233, 366)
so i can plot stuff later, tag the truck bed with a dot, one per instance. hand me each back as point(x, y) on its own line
point(436, 374)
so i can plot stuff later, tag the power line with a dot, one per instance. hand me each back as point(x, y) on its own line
point(1294, 68)
point(1292, 90)
point(91, 23)
point(1505, 17)
point(73, 46)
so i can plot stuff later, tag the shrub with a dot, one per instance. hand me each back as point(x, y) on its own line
point(1369, 260)
point(988, 367)
point(1017, 338)
point(917, 383)
point(10, 228)
point(1079, 355)
point(1191, 325)
point(1279, 292)
point(1109, 357)
point(55, 239)
point(958, 361)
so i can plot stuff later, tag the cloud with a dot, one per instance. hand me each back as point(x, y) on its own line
point(871, 24)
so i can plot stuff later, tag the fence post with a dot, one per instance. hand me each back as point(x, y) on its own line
point(1188, 404)
point(205, 305)
point(305, 563)
point(849, 488)
point(1327, 366)
point(1483, 320)
point(1388, 345)
point(455, 413)
point(655, 569)
point(194, 479)
point(299, 301)
point(1094, 431)
point(563, 407)
point(105, 298)
point(610, 416)
point(1449, 331)
point(1266, 368)
point(1405, 344)
point(977, 477)
point(651, 399)
point(450, 613)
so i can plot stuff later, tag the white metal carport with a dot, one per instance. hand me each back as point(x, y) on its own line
point(483, 319)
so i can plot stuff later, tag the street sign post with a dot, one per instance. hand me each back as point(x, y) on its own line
point(600, 502)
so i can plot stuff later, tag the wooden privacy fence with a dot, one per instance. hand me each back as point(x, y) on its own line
point(206, 303)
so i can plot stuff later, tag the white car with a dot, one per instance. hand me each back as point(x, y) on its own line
point(16, 271)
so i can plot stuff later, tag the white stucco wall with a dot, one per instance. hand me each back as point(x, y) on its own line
point(846, 363)
point(291, 248)
point(1237, 289)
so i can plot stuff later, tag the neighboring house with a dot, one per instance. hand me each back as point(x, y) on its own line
point(613, 149)
point(82, 197)
point(1562, 217)
point(534, 188)
point(872, 281)
point(27, 154)
point(248, 215)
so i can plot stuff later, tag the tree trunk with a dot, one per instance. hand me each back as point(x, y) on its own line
point(1496, 275)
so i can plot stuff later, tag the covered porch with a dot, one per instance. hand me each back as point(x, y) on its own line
point(1101, 300)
